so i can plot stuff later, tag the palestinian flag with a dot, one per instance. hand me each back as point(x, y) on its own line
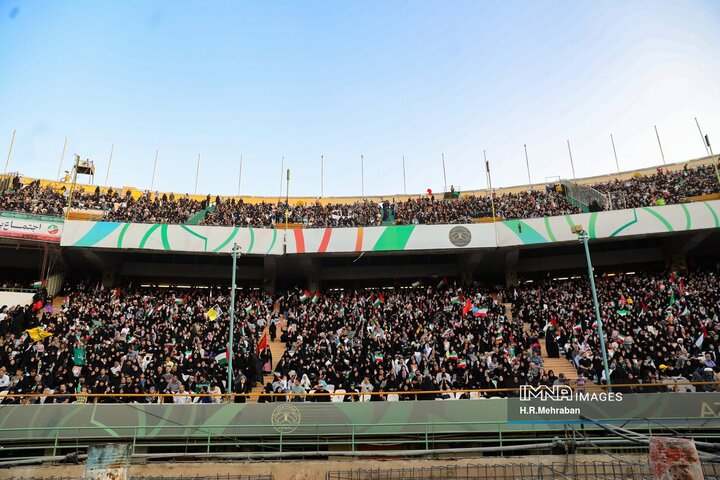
point(416, 284)
point(248, 309)
point(442, 283)
point(377, 357)
point(305, 296)
point(316, 298)
point(180, 301)
point(455, 300)
point(222, 358)
point(622, 312)
point(379, 301)
point(701, 339)
point(551, 325)
point(37, 284)
point(672, 298)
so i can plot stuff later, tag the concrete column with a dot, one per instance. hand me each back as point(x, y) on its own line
point(511, 268)
point(270, 274)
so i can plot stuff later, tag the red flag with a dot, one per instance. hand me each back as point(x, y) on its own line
point(467, 307)
point(643, 306)
point(263, 343)
point(37, 306)
point(682, 285)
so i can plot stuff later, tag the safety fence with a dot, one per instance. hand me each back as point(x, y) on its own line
point(332, 395)
point(569, 470)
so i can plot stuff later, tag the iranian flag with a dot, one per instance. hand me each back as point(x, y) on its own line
point(170, 344)
point(377, 357)
point(551, 325)
point(305, 296)
point(131, 340)
point(446, 333)
point(480, 312)
point(316, 297)
point(248, 309)
point(263, 343)
point(462, 363)
point(621, 338)
point(499, 338)
point(188, 353)
point(223, 358)
point(578, 327)
point(453, 356)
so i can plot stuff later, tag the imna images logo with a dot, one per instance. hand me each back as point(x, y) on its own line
point(564, 393)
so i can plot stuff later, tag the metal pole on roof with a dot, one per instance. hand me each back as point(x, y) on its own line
point(107, 176)
point(444, 176)
point(662, 154)
point(152, 182)
point(572, 165)
point(404, 184)
point(489, 181)
point(12, 143)
point(702, 137)
point(62, 157)
point(322, 173)
point(527, 165)
point(197, 173)
point(612, 140)
point(240, 174)
point(362, 175)
point(282, 172)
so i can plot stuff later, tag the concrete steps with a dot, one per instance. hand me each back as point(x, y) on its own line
point(561, 365)
point(277, 348)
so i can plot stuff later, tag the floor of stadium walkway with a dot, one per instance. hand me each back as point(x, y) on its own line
point(304, 469)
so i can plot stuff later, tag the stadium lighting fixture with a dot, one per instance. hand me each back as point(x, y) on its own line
point(583, 237)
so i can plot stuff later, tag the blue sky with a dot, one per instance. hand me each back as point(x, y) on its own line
point(341, 79)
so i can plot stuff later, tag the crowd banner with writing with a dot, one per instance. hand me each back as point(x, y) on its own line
point(509, 233)
point(31, 227)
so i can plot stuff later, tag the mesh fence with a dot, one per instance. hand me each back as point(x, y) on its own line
point(574, 471)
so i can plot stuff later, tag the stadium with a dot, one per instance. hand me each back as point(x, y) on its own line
point(558, 329)
point(392, 338)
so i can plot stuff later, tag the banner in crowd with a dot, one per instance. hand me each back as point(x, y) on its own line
point(31, 227)
point(508, 233)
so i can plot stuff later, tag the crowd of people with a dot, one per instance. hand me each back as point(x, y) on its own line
point(423, 341)
point(664, 187)
point(655, 325)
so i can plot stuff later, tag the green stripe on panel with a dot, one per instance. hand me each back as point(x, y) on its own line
point(121, 237)
point(631, 222)
point(549, 230)
point(272, 244)
point(394, 238)
point(688, 219)
point(227, 240)
point(190, 231)
point(147, 235)
point(717, 223)
point(593, 220)
point(525, 232)
point(659, 217)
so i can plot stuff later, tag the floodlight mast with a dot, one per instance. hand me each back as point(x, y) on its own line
point(583, 237)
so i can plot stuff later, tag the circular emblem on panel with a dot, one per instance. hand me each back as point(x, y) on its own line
point(460, 236)
point(285, 418)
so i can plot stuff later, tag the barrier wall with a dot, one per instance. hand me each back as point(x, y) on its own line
point(80, 421)
point(31, 227)
point(509, 233)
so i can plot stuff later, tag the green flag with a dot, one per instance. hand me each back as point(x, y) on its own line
point(79, 356)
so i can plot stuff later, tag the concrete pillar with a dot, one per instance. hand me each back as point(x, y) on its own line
point(110, 278)
point(270, 275)
point(467, 263)
point(311, 268)
point(678, 262)
point(511, 268)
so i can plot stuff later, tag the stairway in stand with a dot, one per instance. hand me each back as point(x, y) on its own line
point(57, 304)
point(561, 365)
point(277, 348)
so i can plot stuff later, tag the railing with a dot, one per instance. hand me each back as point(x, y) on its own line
point(584, 194)
point(670, 386)
point(322, 440)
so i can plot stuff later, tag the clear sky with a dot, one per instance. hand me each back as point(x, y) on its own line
point(301, 79)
